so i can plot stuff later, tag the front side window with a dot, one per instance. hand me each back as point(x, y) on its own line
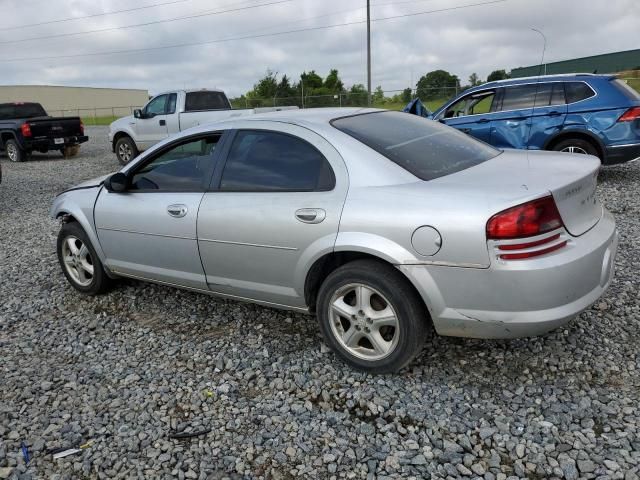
point(157, 106)
point(474, 104)
point(186, 167)
point(426, 148)
point(266, 161)
point(578, 91)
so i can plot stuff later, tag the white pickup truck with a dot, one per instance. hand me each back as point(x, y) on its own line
point(168, 113)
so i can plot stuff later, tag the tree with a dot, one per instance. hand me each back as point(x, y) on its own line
point(406, 95)
point(266, 87)
point(497, 75)
point(474, 80)
point(378, 95)
point(311, 80)
point(333, 82)
point(285, 89)
point(437, 84)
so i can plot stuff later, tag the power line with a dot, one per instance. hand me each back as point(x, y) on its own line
point(154, 22)
point(61, 20)
point(247, 37)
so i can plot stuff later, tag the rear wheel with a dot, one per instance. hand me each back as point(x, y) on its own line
point(371, 316)
point(576, 145)
point(14, 152)
point(79, 261)
point(126, 150)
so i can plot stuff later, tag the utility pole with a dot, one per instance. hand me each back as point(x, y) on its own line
point(369, 52)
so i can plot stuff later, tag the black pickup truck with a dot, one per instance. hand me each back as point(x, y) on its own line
point(26, 128)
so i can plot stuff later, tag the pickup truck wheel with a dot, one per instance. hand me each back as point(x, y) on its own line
point(370, 315)
point(126, 150)
point(14, 152)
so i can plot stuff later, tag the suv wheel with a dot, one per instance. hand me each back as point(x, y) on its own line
point(126, 150)
point(371, 316)
point(14, 152)
point(576, 145)
point(79, 261)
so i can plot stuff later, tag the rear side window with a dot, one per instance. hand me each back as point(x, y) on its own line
point(21, 110)
point(206, 101)
point(523, 96)
point(424, 147)
point(266, 161)
point(578, 91)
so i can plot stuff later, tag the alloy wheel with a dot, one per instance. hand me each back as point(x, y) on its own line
point(12, 152)
point(364, 322)
point(77, 261)
point(574, 149)
point(124, 152)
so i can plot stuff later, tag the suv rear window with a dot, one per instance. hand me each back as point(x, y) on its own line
point(21, 110)
point(627, 89)
point(424, 147)
point(206, 101)
point(577, 91)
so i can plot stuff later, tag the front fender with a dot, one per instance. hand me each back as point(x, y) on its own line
point(79, 204)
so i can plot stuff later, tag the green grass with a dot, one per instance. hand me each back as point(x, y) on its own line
point(98, 120)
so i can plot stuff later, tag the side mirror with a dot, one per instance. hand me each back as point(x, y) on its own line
point(116, 183)
point(137, 113)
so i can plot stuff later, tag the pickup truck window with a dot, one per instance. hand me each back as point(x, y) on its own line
point(9, 111)
point(157, 106)
point(206, 100)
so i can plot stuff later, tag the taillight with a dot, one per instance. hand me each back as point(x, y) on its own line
point(630, 115)
point(527, 220)
point(25, 128)
point(81, 128)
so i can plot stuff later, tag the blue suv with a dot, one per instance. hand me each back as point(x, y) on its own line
point(580, 113)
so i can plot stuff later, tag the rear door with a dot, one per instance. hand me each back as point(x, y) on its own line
point(528, 114)
point(472, 114)
point(149, 231)
point(275, 207)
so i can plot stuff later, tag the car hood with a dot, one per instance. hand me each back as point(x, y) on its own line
point(121, 123)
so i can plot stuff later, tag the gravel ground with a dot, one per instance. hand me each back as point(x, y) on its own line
point(127, 368)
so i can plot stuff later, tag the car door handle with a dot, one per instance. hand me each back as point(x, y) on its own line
point(554, 114)
point(311, 215)
point(484, 120)
point(177, 210)
point(512, 124)
point(465, 130)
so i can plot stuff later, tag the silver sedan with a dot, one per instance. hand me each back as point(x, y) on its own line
point(386, 226)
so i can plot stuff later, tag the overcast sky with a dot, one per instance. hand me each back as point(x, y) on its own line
point(474, 39)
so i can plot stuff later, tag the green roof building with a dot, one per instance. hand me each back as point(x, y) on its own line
point(606, 63)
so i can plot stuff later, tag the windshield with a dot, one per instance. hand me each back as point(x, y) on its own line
point(21, 110)
point(426, 148)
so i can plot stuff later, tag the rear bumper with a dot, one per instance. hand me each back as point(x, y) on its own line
point(520, 298)
point(622, 153)
point(49, 143)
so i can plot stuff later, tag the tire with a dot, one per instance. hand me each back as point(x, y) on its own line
point(81, 264)
point(384, 290)
point(126, 150)
point(576, 145)
point(14, 152)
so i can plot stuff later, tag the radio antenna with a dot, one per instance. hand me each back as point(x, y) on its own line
point(535, 98)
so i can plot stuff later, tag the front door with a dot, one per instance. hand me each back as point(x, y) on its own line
point(153, 127)
point(149, 231)
point(472, 114)
point(275, 206)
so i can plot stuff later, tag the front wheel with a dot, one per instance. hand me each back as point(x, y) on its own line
point(14, 152)
point(371, 316)
point(79, 261)
point(126, 150)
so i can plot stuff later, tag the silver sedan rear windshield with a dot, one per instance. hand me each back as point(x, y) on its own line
point(425, 148)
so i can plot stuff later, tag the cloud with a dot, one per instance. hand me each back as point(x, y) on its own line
point(477, 39)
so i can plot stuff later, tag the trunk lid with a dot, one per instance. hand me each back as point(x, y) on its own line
point(515, 175)
point(55, 127)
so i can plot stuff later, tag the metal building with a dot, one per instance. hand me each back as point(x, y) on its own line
point(606, 63)
point(81, 101)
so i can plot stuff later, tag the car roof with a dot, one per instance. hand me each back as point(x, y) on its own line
point(541, 79)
